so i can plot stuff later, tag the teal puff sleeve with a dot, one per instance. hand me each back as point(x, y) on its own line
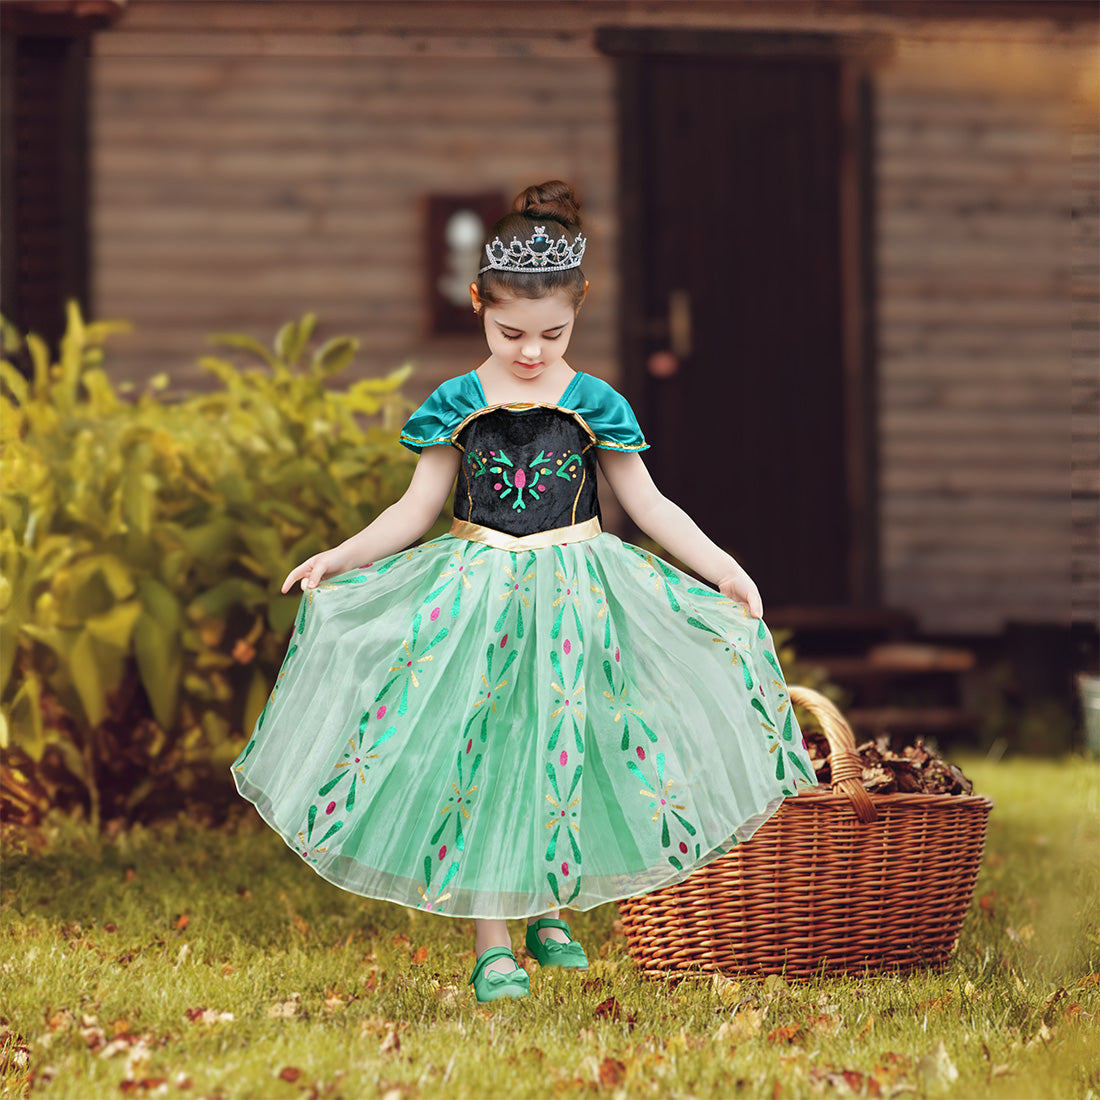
point(607, 413)
point(447, 406)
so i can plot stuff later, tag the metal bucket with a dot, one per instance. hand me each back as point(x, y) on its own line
point(1089, 688)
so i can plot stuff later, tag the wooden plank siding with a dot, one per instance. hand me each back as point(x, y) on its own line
point(252, 161)
point(1085, 357)
point(235, 192)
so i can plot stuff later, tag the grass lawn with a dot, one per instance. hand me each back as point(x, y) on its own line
point(176, 961)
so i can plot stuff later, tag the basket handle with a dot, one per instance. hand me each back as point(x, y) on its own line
point(846, 766)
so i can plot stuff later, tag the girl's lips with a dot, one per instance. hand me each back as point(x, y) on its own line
point(528, 366)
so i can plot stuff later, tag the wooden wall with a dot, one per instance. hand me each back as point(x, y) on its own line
point(974, 190)
point(253, 161)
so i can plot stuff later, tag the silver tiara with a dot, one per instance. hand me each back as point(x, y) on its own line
point(537, 253)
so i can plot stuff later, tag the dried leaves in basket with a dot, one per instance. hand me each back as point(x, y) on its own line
point(916, 769)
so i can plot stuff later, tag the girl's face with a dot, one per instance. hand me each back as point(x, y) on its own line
point(528, 336)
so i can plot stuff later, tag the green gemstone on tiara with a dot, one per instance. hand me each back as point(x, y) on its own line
point(538, 253)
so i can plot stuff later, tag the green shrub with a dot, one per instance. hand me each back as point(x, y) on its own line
point(142, 545)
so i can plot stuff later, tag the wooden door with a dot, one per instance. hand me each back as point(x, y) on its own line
point(741, 308)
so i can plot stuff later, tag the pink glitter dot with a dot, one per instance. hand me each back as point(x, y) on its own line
point(469, 744)
point(381, 711)
point(683, 847)
point(357, 760)
point(520, 479)
point(567, 702)
point(498, 486)
point(565, 868)
point(330, 807)
point(435, 614)
point(641, 753)
point(504, 641)
point(542, 488)
point(515, 588)
point(616, 654)
point(563, 813)
point(564, 757)
point(408, 664)
point(549, 454)
point(566, 646)
point(662, 802)
point(493, 453)
point(443, 851)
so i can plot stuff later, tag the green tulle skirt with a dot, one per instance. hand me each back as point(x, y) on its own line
point(485, 733)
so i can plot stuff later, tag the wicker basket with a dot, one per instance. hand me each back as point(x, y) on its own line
point(835, 882)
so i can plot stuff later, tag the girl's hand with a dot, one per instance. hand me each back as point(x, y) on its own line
point(314, 570)
point(741, 587)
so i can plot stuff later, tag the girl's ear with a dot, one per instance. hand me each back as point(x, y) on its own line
point(583, 296)
point(475, 298)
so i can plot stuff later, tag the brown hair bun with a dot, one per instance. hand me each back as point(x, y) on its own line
point(553, 199)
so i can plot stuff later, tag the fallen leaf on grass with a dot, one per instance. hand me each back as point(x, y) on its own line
point(95, 1038)
point(335, 1000)
point(14, 1052)
point(936, 1005)
point(420, 956)
point(145, 1084)
point(182, 921)
point(60, 1019)
point(825, 1024)
point(611, 1009)
point(740, 1027)
point(1043, 1036)
point(286, 1010)
point(935, 1068)
point(208, 1016)
point(450, 994)
point(792, 1033)
point(611, 1072)
point(726, 990)
point(391, 1043)
point(290, 1074)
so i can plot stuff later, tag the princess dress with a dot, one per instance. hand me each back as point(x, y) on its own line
point(525, 713)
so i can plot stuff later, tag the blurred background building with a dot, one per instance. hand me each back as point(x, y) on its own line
point(843, 252)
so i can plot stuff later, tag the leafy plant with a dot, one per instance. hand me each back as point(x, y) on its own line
point(142, 546)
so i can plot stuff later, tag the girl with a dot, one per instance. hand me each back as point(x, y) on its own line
point(526, 713)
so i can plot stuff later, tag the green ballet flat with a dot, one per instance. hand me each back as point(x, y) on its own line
point(551, 953)
point(491, 985)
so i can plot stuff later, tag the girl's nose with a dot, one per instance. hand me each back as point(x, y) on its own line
point(531, 351)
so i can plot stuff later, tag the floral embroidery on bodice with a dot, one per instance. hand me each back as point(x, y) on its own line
point(526, 469)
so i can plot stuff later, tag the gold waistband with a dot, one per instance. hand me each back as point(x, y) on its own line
point(576, 532)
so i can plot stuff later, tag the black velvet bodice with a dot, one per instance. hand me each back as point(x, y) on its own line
point(526, 469)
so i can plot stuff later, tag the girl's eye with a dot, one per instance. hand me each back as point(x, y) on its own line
point(509, 336)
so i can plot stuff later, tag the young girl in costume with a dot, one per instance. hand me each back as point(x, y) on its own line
point(526, 713)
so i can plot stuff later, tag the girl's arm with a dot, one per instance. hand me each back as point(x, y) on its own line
point(674, 529)
point(401, 524)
